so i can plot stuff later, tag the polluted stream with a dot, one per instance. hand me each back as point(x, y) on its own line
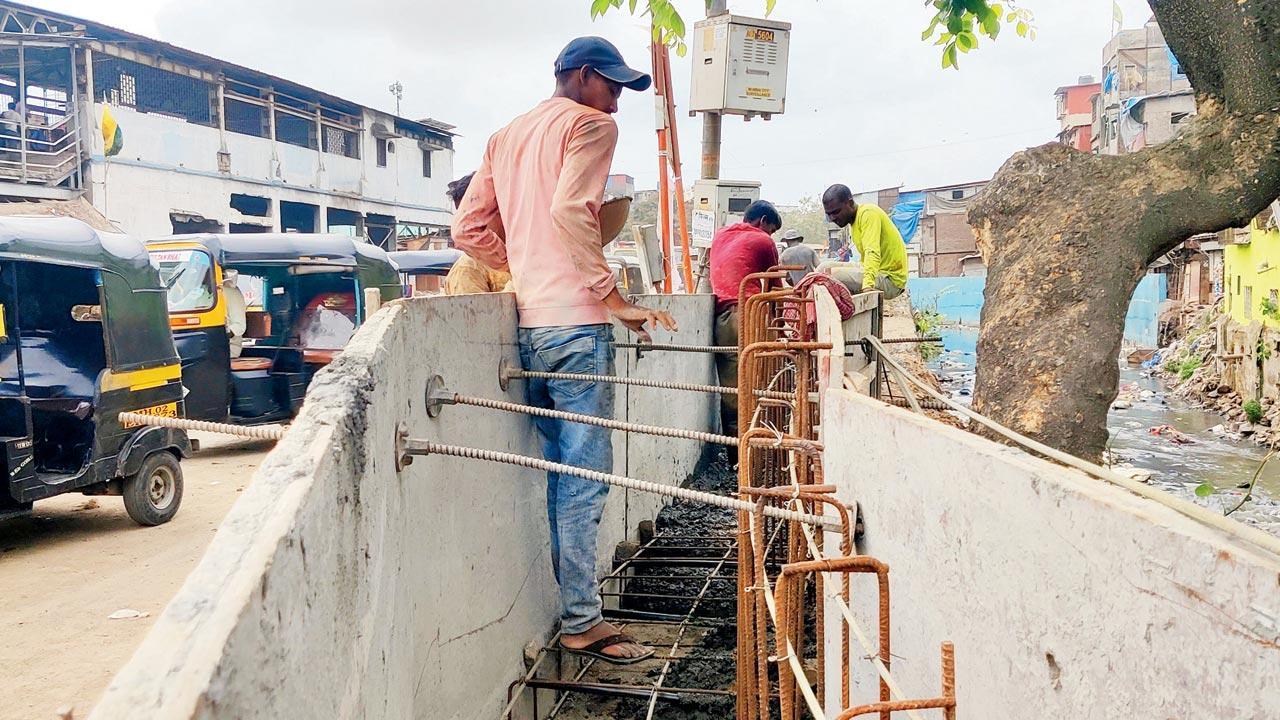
point(1156, 436)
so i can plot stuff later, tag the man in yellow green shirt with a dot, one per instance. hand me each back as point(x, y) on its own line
point(879, 244)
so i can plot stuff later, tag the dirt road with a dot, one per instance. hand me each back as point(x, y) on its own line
point(77, 560)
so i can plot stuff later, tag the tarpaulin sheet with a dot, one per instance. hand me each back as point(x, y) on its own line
point(906, 214)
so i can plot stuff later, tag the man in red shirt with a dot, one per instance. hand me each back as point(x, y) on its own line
point(737, 251)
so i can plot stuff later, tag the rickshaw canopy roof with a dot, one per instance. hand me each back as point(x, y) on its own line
point(372, 266)
point(67, 241)
point(425, 262)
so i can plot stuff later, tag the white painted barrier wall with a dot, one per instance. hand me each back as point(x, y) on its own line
point(1065, 597)
point(339, 588)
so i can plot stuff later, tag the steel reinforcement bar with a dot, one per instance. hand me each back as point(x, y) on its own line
point(517, 374)
point(415, 447)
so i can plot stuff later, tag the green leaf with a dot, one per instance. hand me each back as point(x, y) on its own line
point(681, 49)
point(932, 27)
point(949, 57)
point(955, 25)
point(966, 41)
point(1022, 29)
point(1205, 489)
point(598, 8)
point(676, 22)
point(632, 6)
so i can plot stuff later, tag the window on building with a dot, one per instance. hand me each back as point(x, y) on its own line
point(426, 163)
point(957, 194)
point(151, 90)
point(1237, 284)
point(246, 118)
point(1248, 302)
point(382, 152)
point(340, 141)
point(296, 130)
point(254, 205)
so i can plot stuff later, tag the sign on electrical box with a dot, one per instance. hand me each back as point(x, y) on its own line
point(740, 65)
point(717, 203)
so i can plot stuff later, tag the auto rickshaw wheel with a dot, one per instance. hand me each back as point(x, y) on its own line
point(153, 494)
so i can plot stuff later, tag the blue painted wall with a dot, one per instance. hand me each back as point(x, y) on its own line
point(959, 300)
point(1141, 327)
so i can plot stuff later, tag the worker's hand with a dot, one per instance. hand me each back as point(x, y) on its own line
point(636, 317)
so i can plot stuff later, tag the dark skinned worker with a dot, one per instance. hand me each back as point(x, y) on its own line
point(883, 254)
point(542, 183)
point(737, 251)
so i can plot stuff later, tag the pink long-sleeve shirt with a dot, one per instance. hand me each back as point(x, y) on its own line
point(534, 206)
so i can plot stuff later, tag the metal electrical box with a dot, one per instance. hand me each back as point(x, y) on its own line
point(717, 203)
point(740, 65)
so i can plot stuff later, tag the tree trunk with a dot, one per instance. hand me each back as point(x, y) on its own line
point(1067, 235)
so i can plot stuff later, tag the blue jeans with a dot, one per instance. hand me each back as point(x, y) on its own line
point(574, 505)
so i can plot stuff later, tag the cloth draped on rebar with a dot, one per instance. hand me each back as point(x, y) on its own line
point(839, 293)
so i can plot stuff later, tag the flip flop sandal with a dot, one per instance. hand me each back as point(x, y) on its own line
point(594, 650)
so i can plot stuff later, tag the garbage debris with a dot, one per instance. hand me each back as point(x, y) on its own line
point(127, 614)
point(1175, 436)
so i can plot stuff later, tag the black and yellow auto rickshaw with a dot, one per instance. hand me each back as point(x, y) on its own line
point(83, 337)
point(255, 315)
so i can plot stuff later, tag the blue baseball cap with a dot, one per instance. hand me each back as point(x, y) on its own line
point(601, 55)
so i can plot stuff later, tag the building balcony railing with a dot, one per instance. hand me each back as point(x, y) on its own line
point(40, 154)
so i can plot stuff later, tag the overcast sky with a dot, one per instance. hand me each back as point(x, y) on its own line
point(868, 103)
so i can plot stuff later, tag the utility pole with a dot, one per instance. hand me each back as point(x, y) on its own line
point(711, 121)
point(397, 90)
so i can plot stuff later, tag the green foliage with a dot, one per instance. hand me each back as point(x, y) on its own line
point(1252, 410)
point(1269, 309)
point(809, 218)
point(956, 24)
point(1205, 489)
point(927, 321)
point(1187, 367)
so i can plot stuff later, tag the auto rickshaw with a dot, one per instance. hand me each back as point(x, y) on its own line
point(422, 272)
point(254, 316)
point(84, 336)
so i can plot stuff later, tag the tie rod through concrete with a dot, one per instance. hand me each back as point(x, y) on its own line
point(438, 396)
point(407, 448)
point(508, 372)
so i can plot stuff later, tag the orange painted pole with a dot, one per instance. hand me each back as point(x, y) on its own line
point(664, 193)
point(678, 171)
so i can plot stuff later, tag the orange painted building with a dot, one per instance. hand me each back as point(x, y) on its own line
point(1075, 113)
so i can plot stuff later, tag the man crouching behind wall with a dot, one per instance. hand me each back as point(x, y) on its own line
point(541, 185)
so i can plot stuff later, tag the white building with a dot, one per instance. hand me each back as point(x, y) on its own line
point(206, 144)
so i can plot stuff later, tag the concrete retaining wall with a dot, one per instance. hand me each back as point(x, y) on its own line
point(339, 588)
point(1065, 597)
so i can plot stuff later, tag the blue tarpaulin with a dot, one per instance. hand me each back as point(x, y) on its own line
point(1109, 81)
point(906, 214)
point(1174, 64)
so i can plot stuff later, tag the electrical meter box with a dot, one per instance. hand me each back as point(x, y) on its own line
point(717, 203)
point(740, 65)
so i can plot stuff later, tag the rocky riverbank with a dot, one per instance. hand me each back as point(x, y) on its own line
point(1190, 366)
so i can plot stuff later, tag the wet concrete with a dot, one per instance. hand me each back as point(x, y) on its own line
point(1176, 467)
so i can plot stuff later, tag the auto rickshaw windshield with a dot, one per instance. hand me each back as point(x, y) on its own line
point(187, 276)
